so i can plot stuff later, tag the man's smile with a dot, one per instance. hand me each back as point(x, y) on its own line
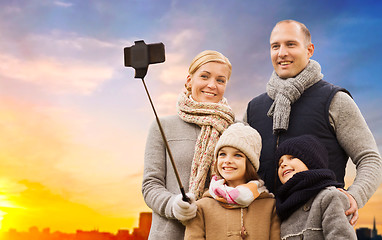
point(284, 63)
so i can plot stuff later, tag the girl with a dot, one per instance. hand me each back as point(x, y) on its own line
point(237, 205)
point(192, 134)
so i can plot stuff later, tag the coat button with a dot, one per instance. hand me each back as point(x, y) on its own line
point(306, 208)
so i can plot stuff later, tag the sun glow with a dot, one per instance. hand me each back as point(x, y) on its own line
point(4, 204)
point(1, 216)
point(8, 205)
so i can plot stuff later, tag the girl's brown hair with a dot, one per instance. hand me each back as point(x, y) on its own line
point(250, 172)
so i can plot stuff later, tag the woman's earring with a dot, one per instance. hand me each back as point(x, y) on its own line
point(188, 88)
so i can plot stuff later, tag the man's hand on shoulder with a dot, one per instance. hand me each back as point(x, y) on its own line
point(353, 210)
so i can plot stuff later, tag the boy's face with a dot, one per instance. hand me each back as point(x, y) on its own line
point(289, 166)
point(231, 165)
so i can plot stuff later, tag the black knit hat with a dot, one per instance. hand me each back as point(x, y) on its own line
point(307, 148)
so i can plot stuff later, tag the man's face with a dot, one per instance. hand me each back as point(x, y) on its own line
point(290, 52)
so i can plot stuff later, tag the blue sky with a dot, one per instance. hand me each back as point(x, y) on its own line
point(70, 110)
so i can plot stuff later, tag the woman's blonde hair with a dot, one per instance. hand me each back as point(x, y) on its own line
point(206, 57)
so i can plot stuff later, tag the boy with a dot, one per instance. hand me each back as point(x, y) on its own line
point(308, 203)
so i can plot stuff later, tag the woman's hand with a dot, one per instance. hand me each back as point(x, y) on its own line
point(182, 210)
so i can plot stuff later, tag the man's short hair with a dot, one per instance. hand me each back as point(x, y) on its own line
point(304, 29)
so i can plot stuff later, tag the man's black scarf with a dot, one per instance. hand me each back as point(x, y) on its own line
point(302, 187)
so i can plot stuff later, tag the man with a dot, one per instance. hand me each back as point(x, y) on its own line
point(299, 102)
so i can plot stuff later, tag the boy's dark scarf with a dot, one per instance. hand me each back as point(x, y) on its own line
point(285, 92)
point(302, 187)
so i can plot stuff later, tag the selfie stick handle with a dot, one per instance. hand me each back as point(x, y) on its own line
point(185, 197)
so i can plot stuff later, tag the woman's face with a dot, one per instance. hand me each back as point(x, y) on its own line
point(208, 83)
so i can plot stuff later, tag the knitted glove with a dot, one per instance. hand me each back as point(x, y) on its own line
point(182, 210)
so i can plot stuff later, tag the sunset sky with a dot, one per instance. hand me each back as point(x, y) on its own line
point(73, 120)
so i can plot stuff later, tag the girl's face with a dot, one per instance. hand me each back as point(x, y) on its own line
point(289, 166)
point(208, 83)
point(231, 166)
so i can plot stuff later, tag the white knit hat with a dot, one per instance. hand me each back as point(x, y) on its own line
point(244, 138)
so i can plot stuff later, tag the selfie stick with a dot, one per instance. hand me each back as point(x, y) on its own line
point(185, 197)
point(140, 59)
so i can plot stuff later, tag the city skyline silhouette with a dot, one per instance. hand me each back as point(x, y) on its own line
point(139, 233)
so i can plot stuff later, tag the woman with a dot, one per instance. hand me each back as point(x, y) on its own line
point(192, 134)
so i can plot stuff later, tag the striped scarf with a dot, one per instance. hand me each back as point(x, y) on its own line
point(236, 197)
point(213, 118)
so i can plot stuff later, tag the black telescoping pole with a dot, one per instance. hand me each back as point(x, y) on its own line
point(185, 197)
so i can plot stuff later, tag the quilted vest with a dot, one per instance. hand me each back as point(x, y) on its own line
point(309, 115)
